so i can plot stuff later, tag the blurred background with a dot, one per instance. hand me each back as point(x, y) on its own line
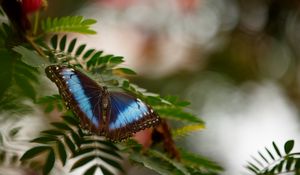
point(237, 61)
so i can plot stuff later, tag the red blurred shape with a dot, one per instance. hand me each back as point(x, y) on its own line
point(30, 6)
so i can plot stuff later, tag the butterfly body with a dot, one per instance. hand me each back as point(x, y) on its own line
point(115, 115)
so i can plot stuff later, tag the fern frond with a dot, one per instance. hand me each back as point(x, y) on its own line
point(68, 24)
point(276, 164)
point(199, 164)
point(67, 141)
point(154, 160)
point(9, 157)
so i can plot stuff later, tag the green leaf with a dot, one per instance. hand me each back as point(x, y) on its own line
point(253, 168)
point(151, 164)
point(297, 164)
point(33, 152)
point(71, 120)
point(276, 149)
point(62, 153)
point(49, 162)
point(84, 150)
point(82, 161)
point(30, 57)
point(89, 22)
point(50, 102)
point(105, 170)
point(70, 144)
point(6, 65)
point(177, 114)
point(102, 142)
point(183, 131)
point(44, 139)
point(289, 162)
point(125, 71)
point(175, 101)
point(197, 161)
point(270, 154)
point(113, 163)
point(27, 71)
point(80, 49)
point(26, 87)
point(263, 157)
point(88, 53)
point(91, 170)
point(62, 43)
point(72, 45)
point(62, 126)
point(68, 24)
point(177, 165)
point(288, 146)
point(111, 152)
point(53, 132)
point(280, 166)
point(94, 59)
point(54, 41)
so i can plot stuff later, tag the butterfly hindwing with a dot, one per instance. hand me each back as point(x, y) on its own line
point(128, 115)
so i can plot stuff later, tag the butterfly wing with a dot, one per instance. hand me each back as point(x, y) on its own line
point(81, 94)
point(128, 115)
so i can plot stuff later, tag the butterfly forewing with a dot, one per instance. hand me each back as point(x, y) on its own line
point(80, 93)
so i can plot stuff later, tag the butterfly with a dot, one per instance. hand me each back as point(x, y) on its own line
point(115, 115)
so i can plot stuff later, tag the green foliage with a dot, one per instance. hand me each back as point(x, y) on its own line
point(9, 155)
point(29, 57)
point(276, 162)
point(155, 160)
point(51, 102)
point(66, 140)
point(18, 81)
point(68, 24)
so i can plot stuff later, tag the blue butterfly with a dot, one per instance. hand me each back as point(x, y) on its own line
point(115, 115)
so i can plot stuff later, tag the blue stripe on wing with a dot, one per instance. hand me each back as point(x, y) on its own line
point(125, 109)
point(79, 94)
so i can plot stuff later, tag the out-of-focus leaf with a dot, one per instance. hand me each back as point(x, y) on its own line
point(30, 57)
point(197, 161)
point(151, 164)
point(68, 24)
point(183, 131)
point(177, 114)
point(125, 71)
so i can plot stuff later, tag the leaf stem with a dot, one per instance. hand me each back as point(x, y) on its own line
point(36, 22)
point(32, 43)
